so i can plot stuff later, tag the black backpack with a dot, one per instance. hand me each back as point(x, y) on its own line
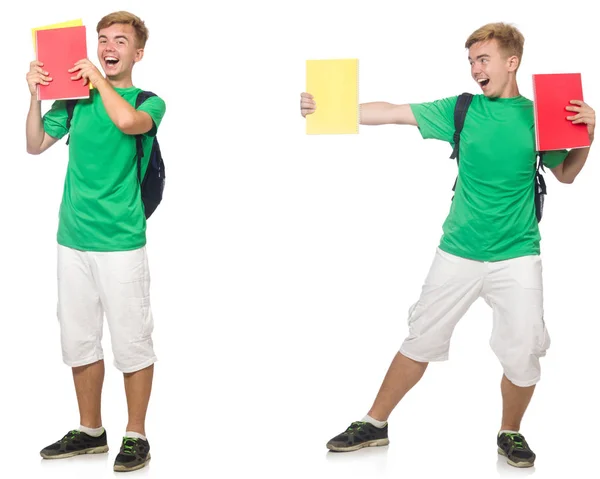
point(153, 183)
point(460, 112)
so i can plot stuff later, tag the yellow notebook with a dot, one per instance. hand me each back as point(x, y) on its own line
point(334, 86)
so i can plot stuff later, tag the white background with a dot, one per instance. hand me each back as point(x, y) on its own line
point(283, 265)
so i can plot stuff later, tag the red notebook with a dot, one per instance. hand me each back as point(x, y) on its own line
point(552, 94)
point(59, 49)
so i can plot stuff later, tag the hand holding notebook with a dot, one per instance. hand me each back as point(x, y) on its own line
point(553, 94)
point(583, 113)
point(58, 50)
point(333, 84)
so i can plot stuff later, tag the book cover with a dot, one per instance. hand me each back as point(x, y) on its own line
point(552, 93)
point(69, 23)
point(59, 49)
point(334, 86)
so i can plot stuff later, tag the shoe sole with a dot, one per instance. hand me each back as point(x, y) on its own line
point(120, 468)
point(512, 463)
point(91, 450)
point(356, 447)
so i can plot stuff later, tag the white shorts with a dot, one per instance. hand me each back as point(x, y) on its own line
point(512, 288)
point(91, 284)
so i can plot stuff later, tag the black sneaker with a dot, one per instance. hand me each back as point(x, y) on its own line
point(516, 449)
point(358, 435)
point(134, 454)
point(74, 443)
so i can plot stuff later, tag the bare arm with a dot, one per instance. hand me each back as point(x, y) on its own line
point(38, 140)
point(568, 170)
point(383, 113)
point(125, 117)
point(374, 113)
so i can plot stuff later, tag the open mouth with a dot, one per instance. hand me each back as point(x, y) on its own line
point(483, 82)
point(111, 61)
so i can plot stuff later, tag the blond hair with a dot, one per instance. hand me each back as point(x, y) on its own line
point(510, 39)
point(126, 18)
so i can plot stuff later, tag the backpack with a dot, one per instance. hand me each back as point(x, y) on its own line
point(460, 112)
point(153, 183)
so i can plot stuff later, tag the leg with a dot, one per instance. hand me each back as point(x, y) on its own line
point(80, 317)
point(402, 375)
point(137, 389)
point(519, 339)
point(452, 285)
point(88, 387)
point(125, 284)
point(515, 400)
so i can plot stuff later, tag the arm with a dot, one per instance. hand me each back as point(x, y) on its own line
point(375, 113)
point(38, 140)
point(383, 113)
point(568, 170)
point(125, 117)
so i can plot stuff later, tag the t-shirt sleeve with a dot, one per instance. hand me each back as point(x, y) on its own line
point(55, 119)
point(552, 159)
point(436, 119)
point(155, 107)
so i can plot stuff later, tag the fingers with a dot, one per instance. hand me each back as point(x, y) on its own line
point(35, 63)
point(39, 73)
point(36, 77)
point(307, 104)
point(78, 76)
point(588, 120)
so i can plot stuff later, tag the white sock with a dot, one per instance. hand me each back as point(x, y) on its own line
point(508, 431)
point(135, 434)
point(97, 432)
point(373, 421)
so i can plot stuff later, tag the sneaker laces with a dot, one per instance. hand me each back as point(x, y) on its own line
point(356, 426)
point(517, 441)
point(71, 435)
point(128, 444)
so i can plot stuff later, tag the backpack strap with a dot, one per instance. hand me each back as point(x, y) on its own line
point(141, 98)
point(70, 109)
point(460, 113)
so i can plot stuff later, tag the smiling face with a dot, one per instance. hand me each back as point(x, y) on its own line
point(117, 51)
point(493, 70)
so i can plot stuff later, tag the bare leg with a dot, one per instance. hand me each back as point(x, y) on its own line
point(515, 400)
point(138, 386)
point(402, 375)
point(88, 387)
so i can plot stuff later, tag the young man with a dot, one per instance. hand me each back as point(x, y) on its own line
point(102, 262)
point(490, 246)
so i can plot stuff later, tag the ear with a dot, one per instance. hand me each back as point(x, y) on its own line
point(512, 63)
point(139, 54)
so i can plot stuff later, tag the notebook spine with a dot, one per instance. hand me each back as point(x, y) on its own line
point(357, 96)
point(535, 116)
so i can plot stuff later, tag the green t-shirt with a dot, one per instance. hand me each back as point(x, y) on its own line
point(492, 216)
point(101, 208)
